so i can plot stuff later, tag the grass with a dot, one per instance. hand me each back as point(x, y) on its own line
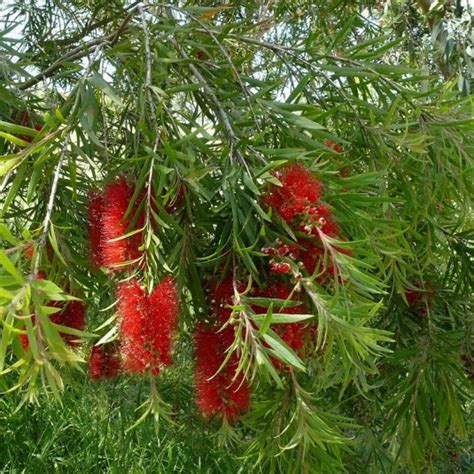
point(87, 433)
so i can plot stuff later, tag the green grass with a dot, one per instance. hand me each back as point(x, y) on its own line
point(87, 434)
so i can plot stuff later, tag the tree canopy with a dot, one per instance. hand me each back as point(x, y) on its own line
point(253, 219)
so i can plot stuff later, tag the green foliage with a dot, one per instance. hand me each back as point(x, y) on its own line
point(209, 101)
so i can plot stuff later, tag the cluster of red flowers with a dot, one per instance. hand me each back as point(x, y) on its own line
point(104, 362)
point(147, 323)
point(107, 225)
point(297, 201)
point(217, 394)
point(299, 190)
point(296, 335)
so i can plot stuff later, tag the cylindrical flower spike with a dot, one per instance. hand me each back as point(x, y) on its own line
point(147, 324)
point(116, 199)
point(217, 395)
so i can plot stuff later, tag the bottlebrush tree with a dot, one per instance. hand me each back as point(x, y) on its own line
point(267, 202)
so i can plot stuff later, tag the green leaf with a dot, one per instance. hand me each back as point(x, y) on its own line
point(281, 351)
point(100, 83)
point(13, 128)
point(7, 235)
point(282, 318)
point(265, 321)
point(6, 263)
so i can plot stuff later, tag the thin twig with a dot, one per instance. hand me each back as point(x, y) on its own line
point(49, 210)
point(148, 85)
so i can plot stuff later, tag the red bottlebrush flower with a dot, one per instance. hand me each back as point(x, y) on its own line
point(24, 337)
point(217, 395)
point(94, 220)
point(334, 146)
point(104, 362)
point(116, 200)
point(222, 292)
point(299, 190)
point(147, 324)
point(312, 257)
point(132, 312)
point(163, 308)
point(208, 360)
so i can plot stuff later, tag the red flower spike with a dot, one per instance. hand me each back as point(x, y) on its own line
point(131, 309)
point(208, 361)
point(104, 362)
point(116, 200)
point(163, 308)
point(216, 395)
point(147, 324)
point(223, 292)
point(312, 257)
point(24, 337)
point(299, 190)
